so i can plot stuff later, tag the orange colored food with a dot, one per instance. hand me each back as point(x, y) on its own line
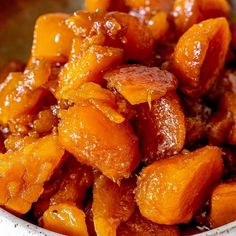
point(66, 219)
point(24, 173)
point(112, 204)
point(170, 191)
point(139, 225)
point(223, 209)
point(52, 39)
point(109, 127)
point(140, 84)
point(200, 55)
point(83, 125)
point(161, 127)
point(189, 12)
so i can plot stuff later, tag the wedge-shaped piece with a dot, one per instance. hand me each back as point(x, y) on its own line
point(170, 191)
point(112, 204)
point(223, 208)
point(24, 172)
point(114, 29)
point(200, 54)
point(189, 12)
point(52, 38)
point(161, 127)
point(87, 68)
point(21, 92)
point(138, 225)
point(65, 218)
point(97, 141)
point(139, 84)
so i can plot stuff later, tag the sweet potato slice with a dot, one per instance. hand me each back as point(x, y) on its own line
point(21, 92)
point(138, 225)
point(66, 219)
point(189, 12)
point(112, 204)
point(170, 191)
point(139, 84)
point(24, 172)
point(223, 208)
point(161, 127)
point(76, 180)
point(98, 142)
point(114, 29)
point(52, 38)
point(200, 54)
point(87, 68)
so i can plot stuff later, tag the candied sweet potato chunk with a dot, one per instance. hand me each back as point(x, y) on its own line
point(139, 84)
point(66, 219)
point(76, 180)
point(161, 127)
point(52, 38)
point(87, 68)
point(223, 208)
point(200, 55)
point(189, 12)
point(170, 191)
point(138, 225)
point(21, 92)
point(24, 172)
point(98, 142)
point(115, 29)
point(112, 204)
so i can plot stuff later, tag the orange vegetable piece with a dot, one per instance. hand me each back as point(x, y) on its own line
point(161, 127)
point(114, 29)
point(189, 12)
point(24, 172)
point(66, 219)
point(52, 38)
point(138, 225)
point(87, 68)
point(200, 54)
point(159, 26)
point(105, 5)
point(223, 209)
point(170, 191)
point(21, 92)
point(139, 84)
point(76, 180)
point(112, 204)
point(86, 133)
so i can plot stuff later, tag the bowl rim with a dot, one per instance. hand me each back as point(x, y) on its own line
point(12, 224)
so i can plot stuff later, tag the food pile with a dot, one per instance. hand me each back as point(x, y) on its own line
point(123, 121)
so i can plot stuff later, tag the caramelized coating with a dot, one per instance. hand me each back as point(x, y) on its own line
point(200, 55)
point(114, 29)
point(66, 219)
point(87, 68)
point(222, 124)
point(138, 225)
point(105, 5)
point(223, 208)
point(83, 125)
point(76, 180)
point(112, 204)
point(189, 12)
point(52, 38)
point(139, 84)
point(170, 191)
point(161, 127)
point(21, 92)
point(159, 26)
point(24, 172)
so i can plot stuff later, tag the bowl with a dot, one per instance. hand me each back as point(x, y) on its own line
point(15, 42)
